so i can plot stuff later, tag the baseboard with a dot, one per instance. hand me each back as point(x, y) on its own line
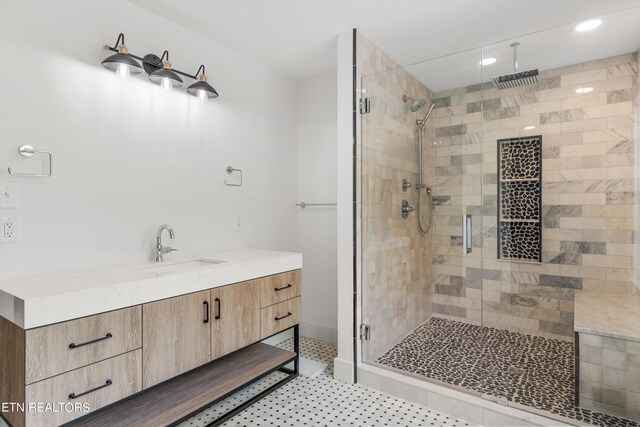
point(277, 339)
point(343, 370)
point(452, 402)
point(319, 332)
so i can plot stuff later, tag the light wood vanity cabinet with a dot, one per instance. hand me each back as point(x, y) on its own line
point(177, 336)
point(280, 301)
point(279, 317)
point(279, 287)
point(235, 320)
point(104, 358)
point(69, 345)
point(95, 360)
point(110, 380)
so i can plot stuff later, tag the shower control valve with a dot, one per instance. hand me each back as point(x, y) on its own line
point(405, 209)
point(406, 185)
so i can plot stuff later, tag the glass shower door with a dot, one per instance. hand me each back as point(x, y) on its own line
point(395, 256)
point(415, 279)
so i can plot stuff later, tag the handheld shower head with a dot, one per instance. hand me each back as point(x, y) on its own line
point(416, 104)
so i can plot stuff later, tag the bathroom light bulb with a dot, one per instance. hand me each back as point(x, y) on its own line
point(123, 71)
point(488, 61)
point(202, 95)
point(165, 84)
point(529, 127)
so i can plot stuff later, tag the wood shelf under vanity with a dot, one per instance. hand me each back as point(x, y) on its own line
point(176, 399)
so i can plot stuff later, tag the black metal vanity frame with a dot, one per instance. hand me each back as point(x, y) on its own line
point(292, 373)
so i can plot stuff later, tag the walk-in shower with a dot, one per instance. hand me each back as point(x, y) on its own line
point(529, 187)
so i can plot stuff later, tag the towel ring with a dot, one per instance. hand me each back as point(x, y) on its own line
point(29, 151)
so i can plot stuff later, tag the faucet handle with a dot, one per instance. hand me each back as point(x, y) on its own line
point(167, 249)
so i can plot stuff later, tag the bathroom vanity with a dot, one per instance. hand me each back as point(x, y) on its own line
point(176, 336)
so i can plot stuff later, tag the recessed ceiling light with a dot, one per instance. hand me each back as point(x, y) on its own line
point(529, 127)
point(588, 25)
point(582, 90)
point(488, 61)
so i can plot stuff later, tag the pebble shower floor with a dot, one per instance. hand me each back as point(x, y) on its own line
point(532, 371)
point(321, 402)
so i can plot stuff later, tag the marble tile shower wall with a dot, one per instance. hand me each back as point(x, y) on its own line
point(396, 257)
point(587, 195)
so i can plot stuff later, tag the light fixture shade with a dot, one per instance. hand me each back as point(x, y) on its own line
point(114, 61)
point(202, 88)
point(166, 75)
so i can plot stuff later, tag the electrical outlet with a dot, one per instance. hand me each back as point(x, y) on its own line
point(8, 194)
point(9, 230)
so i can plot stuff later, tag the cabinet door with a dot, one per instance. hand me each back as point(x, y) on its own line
point(235, 317)
point(176, 335)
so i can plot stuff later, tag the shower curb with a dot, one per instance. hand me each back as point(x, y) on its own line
point(454, 402)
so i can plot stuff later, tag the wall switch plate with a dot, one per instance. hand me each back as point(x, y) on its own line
point(239, 223)
point(9, 230)
point(8, 194)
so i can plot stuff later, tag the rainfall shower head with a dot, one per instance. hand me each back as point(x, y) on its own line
point(416, 104)
point(517, 78)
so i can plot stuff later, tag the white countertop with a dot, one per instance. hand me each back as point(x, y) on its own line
point(34, 301)
point(610, 315)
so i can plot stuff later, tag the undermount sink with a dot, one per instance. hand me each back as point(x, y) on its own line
point(183, 266)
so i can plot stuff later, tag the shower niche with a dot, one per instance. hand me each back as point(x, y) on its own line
point(520, 199)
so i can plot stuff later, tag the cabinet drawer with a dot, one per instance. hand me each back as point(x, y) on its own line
point(280, 316)
point(279, 287)
point(59, 348)
point(103, 382)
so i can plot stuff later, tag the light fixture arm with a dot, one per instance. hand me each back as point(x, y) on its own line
point(119, 41)
point(165, 53)
point(198, 72)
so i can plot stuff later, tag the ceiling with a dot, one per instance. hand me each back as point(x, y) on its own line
point(618, 34)
point(297, 37)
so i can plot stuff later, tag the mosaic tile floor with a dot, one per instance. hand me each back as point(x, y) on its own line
point(528, 370)
point(321, 401)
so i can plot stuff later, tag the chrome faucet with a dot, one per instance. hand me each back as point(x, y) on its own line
point(161, 250)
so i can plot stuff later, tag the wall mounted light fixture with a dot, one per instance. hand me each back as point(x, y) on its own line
point(159, 70)
point(165, 77)
point(201, 89)
point(122, 63)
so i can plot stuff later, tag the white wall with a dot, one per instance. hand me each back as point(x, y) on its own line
point(317, 183)
point(343, 368)
point(128, 156)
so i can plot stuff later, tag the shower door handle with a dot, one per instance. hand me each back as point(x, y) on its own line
point(467, 232)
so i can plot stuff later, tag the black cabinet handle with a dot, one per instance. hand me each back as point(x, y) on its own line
point(218, 308)
point(289, 285)
point(206, 311)
point(75, 396)
point(106, 337)
point(286, 315)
